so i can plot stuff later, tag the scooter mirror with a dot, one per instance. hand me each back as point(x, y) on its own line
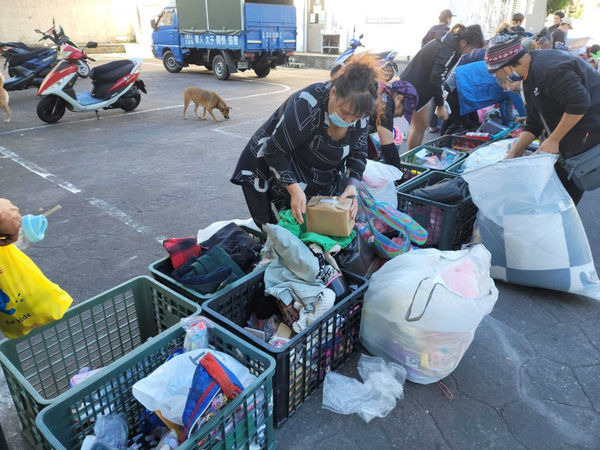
point(360, 37)
point(91, 44)
point(153, 24)
point(37, 30)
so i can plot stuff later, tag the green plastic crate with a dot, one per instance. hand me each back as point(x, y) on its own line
point(92, 334)
point(411, 170)
point(246, 420)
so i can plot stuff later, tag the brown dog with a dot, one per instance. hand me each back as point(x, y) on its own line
point(4, 99)
point(207, 99)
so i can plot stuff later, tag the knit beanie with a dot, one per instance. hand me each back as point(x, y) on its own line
point(503, 50)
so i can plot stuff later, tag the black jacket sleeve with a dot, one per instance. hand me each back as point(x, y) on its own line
point(441, 65)
point(533, 123)
point(357, 159)
point(294, 128)
point(428, 37)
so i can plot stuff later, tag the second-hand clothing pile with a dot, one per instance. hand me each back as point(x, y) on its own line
point(207, 267)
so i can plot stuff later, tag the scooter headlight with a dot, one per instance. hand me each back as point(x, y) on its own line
point(64, 54)
point(59, 83)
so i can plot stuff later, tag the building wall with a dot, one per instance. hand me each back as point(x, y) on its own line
point(104, 21)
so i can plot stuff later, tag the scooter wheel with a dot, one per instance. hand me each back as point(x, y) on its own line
point(131, 102)
point(51, 108)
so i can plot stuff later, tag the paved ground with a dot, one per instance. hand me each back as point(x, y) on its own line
point(530, 378)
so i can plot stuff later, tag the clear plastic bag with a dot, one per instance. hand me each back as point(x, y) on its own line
point(379, 179)
point(196, 333)
point(110, 433)
point(376, 396)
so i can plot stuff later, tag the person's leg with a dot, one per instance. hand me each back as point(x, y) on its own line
point(433, 120)
point(258, 204)
point(573, 190)
point(417, 130)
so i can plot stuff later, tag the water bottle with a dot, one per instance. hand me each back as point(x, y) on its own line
point(32, 230)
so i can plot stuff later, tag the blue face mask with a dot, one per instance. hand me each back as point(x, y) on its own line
point(337, 120)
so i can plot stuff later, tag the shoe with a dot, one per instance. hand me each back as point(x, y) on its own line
point(434, 130)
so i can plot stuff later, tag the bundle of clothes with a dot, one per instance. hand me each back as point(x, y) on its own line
point(303, 280)
point(206, 267)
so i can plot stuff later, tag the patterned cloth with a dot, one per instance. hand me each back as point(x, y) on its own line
point(181, 250)
point(502, 50)
point(293, 146)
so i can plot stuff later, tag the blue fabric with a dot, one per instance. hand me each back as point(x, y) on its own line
point(477, 88)
point(200, 399)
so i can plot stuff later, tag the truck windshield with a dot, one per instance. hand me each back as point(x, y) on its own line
point(166, 18)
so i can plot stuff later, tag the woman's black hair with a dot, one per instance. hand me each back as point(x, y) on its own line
point(472, 34)
point(518, 17)
point(359, 81)
point(543, 35)
point(560, 14)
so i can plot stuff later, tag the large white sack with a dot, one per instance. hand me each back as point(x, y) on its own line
point(531, 226)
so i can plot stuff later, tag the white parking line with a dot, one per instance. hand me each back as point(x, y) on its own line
point(285, 88)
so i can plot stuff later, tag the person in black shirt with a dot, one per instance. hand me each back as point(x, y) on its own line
point(313, 144)
point(562, 93)
point(558, 17)
point(427, 72)
point(517, 20)
point(439, 30)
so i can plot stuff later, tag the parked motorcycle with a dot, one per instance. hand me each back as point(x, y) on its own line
point(386, 60)
point(114, 85)
point(28, 66)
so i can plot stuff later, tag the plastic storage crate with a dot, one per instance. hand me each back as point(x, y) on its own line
point(92, 334)
point(411, 169)
point(161, 271)
point(448, 226)
point(458, 142)
point(304, 361)
point(244, 421)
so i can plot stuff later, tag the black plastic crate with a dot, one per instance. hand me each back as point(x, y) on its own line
point(412, 169)
point(302, 364)
point(458, 142)
point(448, 226)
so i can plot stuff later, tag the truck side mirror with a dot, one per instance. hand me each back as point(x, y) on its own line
point(91, 44)
point(153, 24)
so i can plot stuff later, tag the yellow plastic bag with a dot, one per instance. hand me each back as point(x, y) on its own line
point(27, 298)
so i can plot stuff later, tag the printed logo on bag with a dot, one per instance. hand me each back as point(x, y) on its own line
point(4, 301)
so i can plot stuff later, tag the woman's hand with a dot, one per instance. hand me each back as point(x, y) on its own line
point(441, 112)
point(297, 202)
point(10, 222)
point(350, 192)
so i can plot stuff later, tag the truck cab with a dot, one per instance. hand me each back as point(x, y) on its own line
point(225, 36)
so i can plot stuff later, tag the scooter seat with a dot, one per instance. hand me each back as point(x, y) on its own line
point(21, 45)
point(19, 58)
point(111, 71)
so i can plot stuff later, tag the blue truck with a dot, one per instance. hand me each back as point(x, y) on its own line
point(225, 36)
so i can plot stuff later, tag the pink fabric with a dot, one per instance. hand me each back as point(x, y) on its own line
point(460, 278)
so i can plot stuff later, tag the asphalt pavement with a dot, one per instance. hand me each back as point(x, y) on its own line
point(531, 378)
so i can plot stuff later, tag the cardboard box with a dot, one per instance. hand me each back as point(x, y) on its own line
point(329, 216)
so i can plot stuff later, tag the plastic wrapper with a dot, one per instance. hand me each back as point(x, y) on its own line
point(422, 309)
point(531, 226)
point(379, 179)
point(376, 396)
point(196, 332)
point(110, 433)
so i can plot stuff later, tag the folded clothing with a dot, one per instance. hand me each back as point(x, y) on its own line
point(209, 272)
point(448, 191)
point(238, 244)
point(181, 250)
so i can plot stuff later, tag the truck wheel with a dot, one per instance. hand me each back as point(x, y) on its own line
point(51, 108)
point(262, 71)
point(220, 68)
point(170, 62)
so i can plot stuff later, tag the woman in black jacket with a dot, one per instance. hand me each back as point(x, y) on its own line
point(314, 144)
point(428, 70)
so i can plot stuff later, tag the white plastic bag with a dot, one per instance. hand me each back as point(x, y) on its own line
point(167, 388)
point(488, 154)
point(379, 179)
point(422, 309)
point(376, 396)
point(531, 226)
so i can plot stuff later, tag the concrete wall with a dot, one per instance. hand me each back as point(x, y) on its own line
point(103, 21)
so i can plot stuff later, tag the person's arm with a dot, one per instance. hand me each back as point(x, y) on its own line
point(10, 222)
point(355, 164)
point(568, 90)
point(293, 129)
point(441, 65)
point(428, 37)
point(524, 139)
